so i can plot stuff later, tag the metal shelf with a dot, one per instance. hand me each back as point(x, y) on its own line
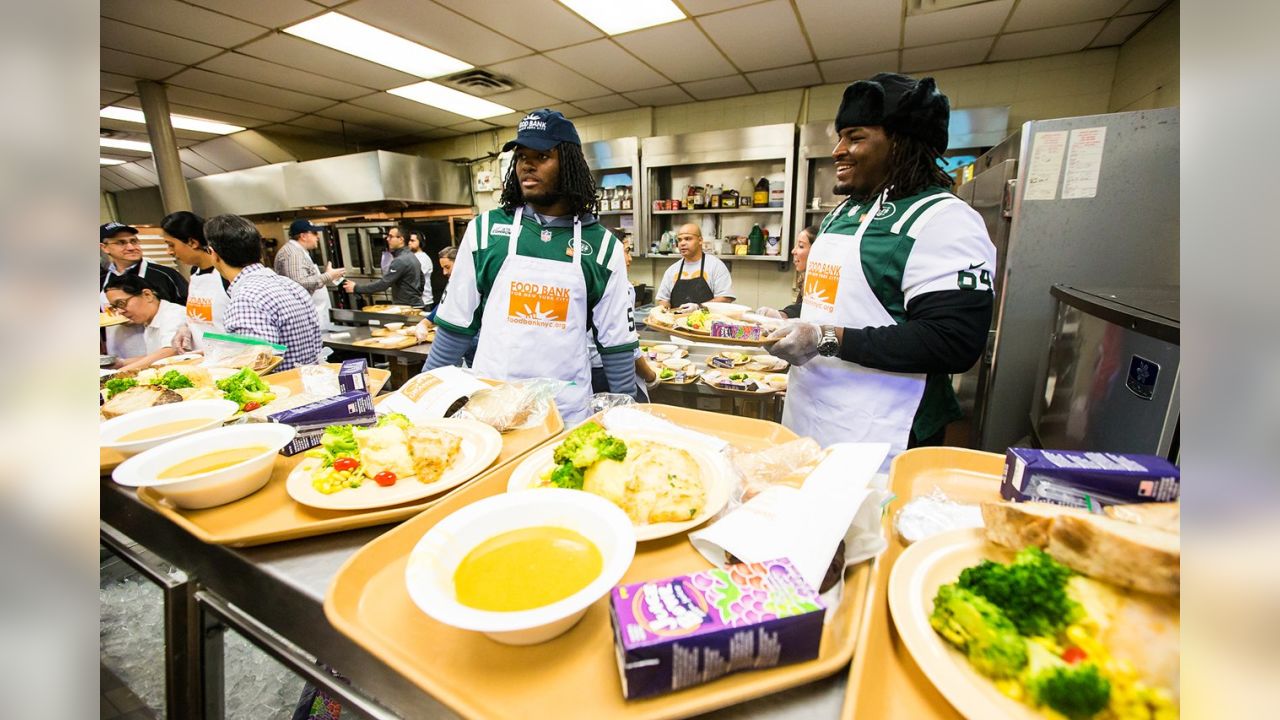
point(615, 212)
point(724, 258)
point(721, 211)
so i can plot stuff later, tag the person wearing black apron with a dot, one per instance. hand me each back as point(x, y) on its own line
point(710, 283)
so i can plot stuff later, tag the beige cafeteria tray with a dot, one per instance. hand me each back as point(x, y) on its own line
point(576, 674)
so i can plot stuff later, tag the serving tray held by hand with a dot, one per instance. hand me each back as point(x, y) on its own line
point(574, 675)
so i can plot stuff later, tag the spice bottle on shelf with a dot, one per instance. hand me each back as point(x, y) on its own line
point(729, 198)
point(713, 200)
point(755, 241)
point(760, 196)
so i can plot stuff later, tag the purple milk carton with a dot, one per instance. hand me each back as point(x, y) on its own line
point(353, 375)
point(683, 631)
point(350, 408)
point(1089, 480)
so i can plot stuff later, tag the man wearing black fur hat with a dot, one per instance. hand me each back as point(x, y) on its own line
point(898, 289)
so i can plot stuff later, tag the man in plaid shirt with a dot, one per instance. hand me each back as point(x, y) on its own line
point(263, 304)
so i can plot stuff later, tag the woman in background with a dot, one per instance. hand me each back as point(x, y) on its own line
point(136, 299)
point(800, 257)
point(207, 294)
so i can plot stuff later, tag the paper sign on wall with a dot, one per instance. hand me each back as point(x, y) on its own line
point(1084, 163)
point(1046, 165)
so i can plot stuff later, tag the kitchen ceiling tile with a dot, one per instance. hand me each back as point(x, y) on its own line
point(665, 95)
point(118, 179)
point(199, 99)
point(1119, 29)
point(473, 126)
point(183, 20)
point(117, 83)
point(251, 68)
point(523, 99)
point(1139, 6)
point(758, 37)
point(371, 118)
point(678, 50)
point(108, 182)
point(440, 133)
point(718, 87)
point(608, 103)
point(509, 120)
point(962, 23)
point(272, 14)
point(197, 79)
point(142, 41)
point(569, 110)
point(540, 24)
point(1046, 13)
point(609, 65)
point(410, 110)
point(216, 115)
point(137, 174)
point(131, 127)
point(136, 66)
point(542, 73)
point(783, 78)
point(702, 7)
point(858, 68)
point(199, 162)
point(305, 55)
point(840, 28)
point(946, 55)
point(106, 98)
point(188, 172)
point(1049, 41)
point(437, 27)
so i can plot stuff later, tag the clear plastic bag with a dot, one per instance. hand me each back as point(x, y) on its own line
point(934, 514)
point(235, 351)
point(607, 401)
point(512, 406)
point(786, 464)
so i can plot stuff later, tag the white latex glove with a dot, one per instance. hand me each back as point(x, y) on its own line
point(333, 274)
point(771, 313)
point(182, 341)
point(687, 308)
point(796, 341)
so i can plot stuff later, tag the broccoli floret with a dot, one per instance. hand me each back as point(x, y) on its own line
point(567, 476)
point(395, 418)
point(981, 630)
point(1077, 691)
point(1032, 591)
point(611, 448)
point(574, 441)
point(173, 380)
point(119, 385)
point(245, 387)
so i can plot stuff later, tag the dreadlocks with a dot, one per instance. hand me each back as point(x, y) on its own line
point(577, 185)
point(913, 166)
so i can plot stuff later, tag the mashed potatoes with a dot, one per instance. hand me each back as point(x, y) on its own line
point(656, 483)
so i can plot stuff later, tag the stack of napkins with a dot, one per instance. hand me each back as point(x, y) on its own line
point(806, 524)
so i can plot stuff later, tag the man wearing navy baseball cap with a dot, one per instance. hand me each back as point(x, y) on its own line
point(294, 261)
point(539, 279)
point(124, 250)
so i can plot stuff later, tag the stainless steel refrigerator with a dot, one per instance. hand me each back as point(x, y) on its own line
point(1088, 201)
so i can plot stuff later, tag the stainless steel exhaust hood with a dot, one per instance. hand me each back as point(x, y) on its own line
point(357, 179)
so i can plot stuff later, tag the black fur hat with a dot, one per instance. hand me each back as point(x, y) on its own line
point(900, 104)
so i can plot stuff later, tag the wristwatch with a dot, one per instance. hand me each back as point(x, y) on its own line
point(828, 346)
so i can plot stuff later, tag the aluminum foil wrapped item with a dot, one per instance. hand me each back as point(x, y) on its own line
point(934, 514)
point(512, 406)
point(786, 464)
point(607, 401)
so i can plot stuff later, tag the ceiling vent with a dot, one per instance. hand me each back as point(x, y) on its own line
point(481, 82)
point(924, 7)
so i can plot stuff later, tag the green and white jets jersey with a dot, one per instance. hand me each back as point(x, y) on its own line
point(483, 251)
point(929, 242)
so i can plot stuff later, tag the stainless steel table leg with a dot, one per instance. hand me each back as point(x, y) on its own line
point(182, 684)
point(212, 663)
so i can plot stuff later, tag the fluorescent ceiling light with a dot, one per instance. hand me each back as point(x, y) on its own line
point(616, 17)
point(181, 122)
point(109, 161)
point(125, 144)
point(455, 101)
point(365, 41)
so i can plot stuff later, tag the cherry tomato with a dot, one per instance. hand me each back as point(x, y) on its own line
point(343, 464)
point(250, 406)
point(1073, 655)
point(386, 478)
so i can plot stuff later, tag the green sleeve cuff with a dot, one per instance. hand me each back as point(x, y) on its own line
point(618, 348)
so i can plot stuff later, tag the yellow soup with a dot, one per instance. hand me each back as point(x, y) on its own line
point(526, 568)
point(163, 429)
point(211, 461)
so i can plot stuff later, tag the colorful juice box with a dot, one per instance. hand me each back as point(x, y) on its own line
point(353, 375)
point(735, 331)
point(1089, 480)
point(351, 408)
point(683, 631)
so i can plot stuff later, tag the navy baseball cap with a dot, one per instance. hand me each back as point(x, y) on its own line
point(112, 228)
point(543, 130)
point(299, 226)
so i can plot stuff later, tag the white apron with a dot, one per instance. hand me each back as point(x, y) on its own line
point(833, 400)
point(535, 325)
point(127, 340)
point(320, 301)
point(206, 306)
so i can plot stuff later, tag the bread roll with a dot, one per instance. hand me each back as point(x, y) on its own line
point(1121, 553)
point(1017, 525)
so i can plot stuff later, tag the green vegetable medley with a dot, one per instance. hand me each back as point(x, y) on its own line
point(581, 449)
point(115, 386)
point(173, 380)
point(339, 442)
point(246, 388)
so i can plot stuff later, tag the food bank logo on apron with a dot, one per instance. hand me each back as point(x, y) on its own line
point(538, 305)
point(821, 283)
point(200, 309)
